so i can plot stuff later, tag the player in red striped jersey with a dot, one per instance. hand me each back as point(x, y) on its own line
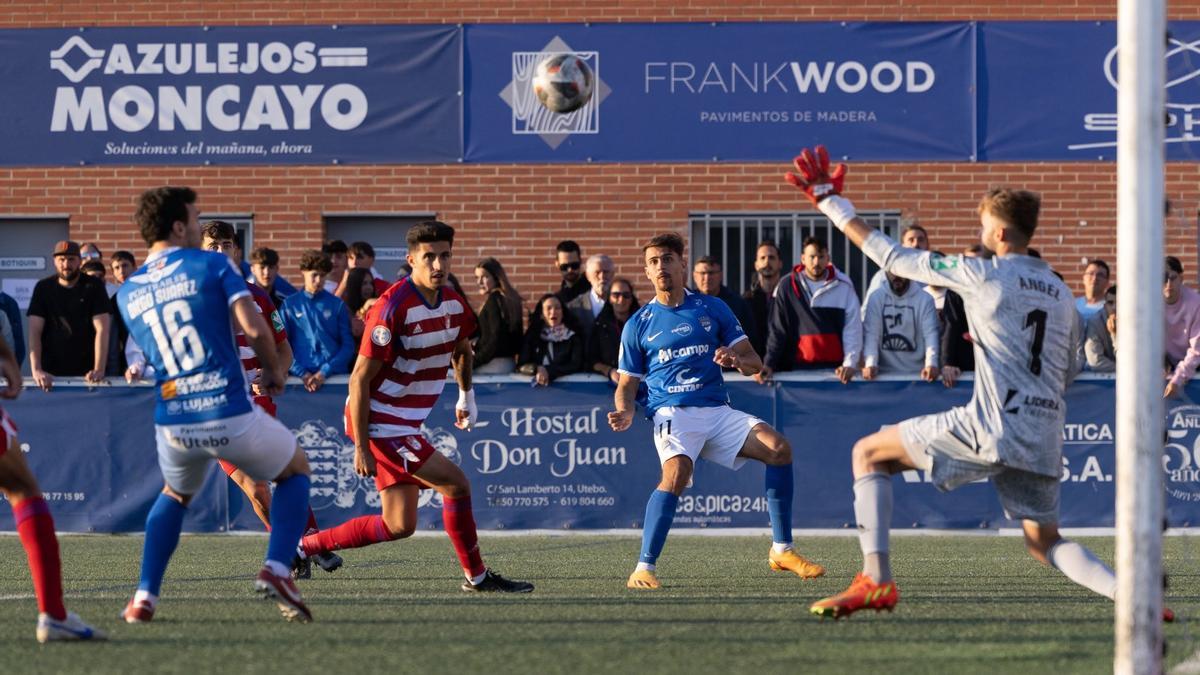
point(219, 236)
point(417, 329)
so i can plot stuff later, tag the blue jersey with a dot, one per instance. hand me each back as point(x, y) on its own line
point(177, 309)
point(671, 350)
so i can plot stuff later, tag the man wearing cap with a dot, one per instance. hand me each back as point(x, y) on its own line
point(68, 322)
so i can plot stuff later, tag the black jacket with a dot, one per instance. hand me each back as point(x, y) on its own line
point(560, 358)
point(604, 344)
point(496, 337)
point(957, 350)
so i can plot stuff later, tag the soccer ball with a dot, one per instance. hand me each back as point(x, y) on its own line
point(563, 83)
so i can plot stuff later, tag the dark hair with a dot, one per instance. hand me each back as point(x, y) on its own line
point(914, 226)
point(219, 230)
point(123, 255)
point(814, 241)
point(428, 232)
point(1017, 208)
point(313, 260)
point(633, 301)
point(94, 266)
point(512, 300)
point(771, 243)
point(538, 320)
point(667, 240)
point(1174, 265)
point(352, 294)
point(708, 260)
point(264, 256)
point(334, 246)
point(1111, 290)
point(567, 246)
point(361, 249)
point(1034, 253)
point(160, 208)
point(1099, 263)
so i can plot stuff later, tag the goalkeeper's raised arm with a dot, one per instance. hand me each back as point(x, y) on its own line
point(823, 185)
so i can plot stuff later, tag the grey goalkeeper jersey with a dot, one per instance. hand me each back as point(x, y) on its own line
point(1025, 330)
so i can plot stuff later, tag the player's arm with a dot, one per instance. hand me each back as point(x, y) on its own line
point(740, 355)
point(822, 186)
point(10, 370)
point(632, 366)
point(358, 408)
point(933, 342)
point(463, 358)
point(258, 334)
point(622, 418)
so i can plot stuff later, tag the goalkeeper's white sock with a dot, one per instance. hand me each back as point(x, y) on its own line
point(1083, 567)
point(873, 511)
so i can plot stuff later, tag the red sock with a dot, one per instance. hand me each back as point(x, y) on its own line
point(312, 521)
point(36, 527)
point(354, 533)
point(459, 521)
point(227, 467)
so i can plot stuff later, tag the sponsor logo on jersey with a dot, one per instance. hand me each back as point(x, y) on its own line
point(942, 263)
point(651, 338)
point(684, 384)
point(381, 336)
point(192, 442)
point(665, 355)
point(277, 321)
point(706, 324)
point(683, 329)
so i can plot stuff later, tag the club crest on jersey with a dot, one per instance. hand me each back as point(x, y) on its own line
point(381, 336)
point(706, 324)
point(682, 330)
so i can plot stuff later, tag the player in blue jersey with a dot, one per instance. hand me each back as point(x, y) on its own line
point(677, 344)
point(181, 307)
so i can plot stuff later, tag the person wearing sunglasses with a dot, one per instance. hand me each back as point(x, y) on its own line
point(604, 344)
point(569, 260)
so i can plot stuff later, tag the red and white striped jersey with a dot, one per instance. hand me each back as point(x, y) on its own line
point(414, 340)
point(267, 308)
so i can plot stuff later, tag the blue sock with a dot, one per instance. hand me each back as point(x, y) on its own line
point(660, 513)
point(162, 536)
point(289, 515)
point(779, 482)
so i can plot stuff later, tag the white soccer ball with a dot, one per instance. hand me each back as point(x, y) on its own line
point(563, 83)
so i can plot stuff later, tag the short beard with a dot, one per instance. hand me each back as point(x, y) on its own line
point(69, 276)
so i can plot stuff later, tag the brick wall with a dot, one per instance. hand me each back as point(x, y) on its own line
point(515, 212)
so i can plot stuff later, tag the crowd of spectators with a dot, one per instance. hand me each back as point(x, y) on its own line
point(808, 317)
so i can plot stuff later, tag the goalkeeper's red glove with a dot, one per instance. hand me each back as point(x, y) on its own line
point(815, 178)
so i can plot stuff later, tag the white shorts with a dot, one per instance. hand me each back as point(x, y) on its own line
point(257, 443)
point(716, 434)
point(944, 445)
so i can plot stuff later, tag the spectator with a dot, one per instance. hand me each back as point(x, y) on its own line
point(95, 269)
point(900, 331)
point(359, 294)
point(1183, 327)
point(500, 318)
point(68, 322)
point(11, 310)
point(123, 264)
point(362, 256)
point(586, 307)
point(958, 352)
point(6, 330)
point(815, 320)
point(117, 334)
point(767, 267)
point(553, 346)
point(318, 325)
point(91, 253)
point(1100, 335)
point(913, 236)
point(403, 271)
point(1095, 282)
point(604, 345)
point(339, 255)
point(709, 280)
point(264, 272)
point(569, 260)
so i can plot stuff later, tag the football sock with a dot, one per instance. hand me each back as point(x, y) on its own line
point(873, 511)
point(660, 513)
point(289, 512)
point(1083, 567)
point(36, 527)
point(162, 536)
point(645, 567)
point(227, 467)
point(355, 533)
point(459, 522)
point(779, 481)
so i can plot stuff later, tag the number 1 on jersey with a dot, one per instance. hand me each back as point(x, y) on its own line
point(1037, 319)
point(184, 350)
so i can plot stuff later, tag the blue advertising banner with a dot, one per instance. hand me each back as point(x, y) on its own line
point(1048, 91)
point(546, 458)
point(231, 95)
point(705, 92)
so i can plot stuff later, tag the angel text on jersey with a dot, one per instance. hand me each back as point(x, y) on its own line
point(1040, 285)
point(665, 355)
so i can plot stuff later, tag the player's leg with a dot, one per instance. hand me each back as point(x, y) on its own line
point(35, 526)
point(768, 446)
point(398, 520)
point(258, 492)
point(660, 515)
point(458, 519)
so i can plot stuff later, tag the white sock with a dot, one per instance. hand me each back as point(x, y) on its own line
point(475, 581)
point(779, 547)
point(1083, 567)
point(645, 567)
point(873, 511)
point(140, 595)
point(278, 568)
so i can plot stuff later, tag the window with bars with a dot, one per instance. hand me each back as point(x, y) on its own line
point(733, 239)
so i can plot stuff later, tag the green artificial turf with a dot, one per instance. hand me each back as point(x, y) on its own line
point(968, 604)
